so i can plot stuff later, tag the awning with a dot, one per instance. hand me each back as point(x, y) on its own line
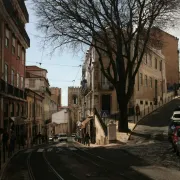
point(83, 124)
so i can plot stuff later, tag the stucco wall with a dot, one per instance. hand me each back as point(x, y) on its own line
point(100, 136)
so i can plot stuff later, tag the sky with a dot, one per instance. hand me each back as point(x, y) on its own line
point(63, 67)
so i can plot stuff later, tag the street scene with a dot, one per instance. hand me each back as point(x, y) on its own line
point(89, 90)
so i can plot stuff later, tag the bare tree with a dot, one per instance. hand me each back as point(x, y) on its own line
point(119, 28)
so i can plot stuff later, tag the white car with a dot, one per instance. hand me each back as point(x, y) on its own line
point(176, 116)
point(62, 137)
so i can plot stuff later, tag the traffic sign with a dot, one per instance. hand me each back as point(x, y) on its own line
point(104, 113)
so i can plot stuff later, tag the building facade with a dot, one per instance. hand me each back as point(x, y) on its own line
point(74, 107)
point(61, 120)
point(36, 80)
point(14, 41)
point(34, 120)
point(169, 47)
point(56, 95)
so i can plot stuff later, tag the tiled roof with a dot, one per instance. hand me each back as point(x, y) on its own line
point(34, 68)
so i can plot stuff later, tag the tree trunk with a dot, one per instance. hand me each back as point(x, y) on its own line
point(123, 109)
point(123, 118)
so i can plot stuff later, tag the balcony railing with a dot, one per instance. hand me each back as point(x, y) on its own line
point(24, 9)
point(13, 14)
point(106, 86)
point(11, 90)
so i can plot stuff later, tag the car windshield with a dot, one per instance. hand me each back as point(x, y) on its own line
point(176, 116)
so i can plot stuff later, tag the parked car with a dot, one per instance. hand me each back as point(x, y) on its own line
point(50, 138)
point(73, 135)
point(172, 125)
point(62, 137)
point(175, 138)
point(56, 138)
point(176, 115)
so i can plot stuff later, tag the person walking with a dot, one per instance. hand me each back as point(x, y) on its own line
point(12, 143)
point(87, 138)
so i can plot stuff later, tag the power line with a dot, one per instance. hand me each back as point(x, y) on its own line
point(77, 74)
point(54, 64)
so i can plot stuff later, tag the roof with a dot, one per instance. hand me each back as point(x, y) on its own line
point(30, 75)
point(35, 68)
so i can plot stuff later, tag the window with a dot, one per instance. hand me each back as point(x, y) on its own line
point(6, 73)
point(7, 37)
point(160, 65)
point(12, 76)
point(23, 56)
point(22, 82)
point(141, 79)
point(156, 63)
point(150, 81)
point(17, 80)
point(19, 50)
point(13, 45)
point(31, 83)
point(146, 81)
point(75, 99)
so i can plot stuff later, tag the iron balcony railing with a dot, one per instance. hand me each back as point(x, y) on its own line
point(11, 90)
point(14, 15)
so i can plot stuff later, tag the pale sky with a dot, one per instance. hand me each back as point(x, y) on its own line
point(58, 75)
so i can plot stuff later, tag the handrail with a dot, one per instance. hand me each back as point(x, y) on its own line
point(101, 122)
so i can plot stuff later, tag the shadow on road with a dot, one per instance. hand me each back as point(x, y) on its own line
point(161, 117)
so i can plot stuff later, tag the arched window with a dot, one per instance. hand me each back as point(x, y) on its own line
point(75, 99)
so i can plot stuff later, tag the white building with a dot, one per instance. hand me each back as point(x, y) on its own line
point(61, 121)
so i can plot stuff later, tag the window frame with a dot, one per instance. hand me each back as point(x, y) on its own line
point(13, 45)
point(145, 80)
point(7, 37)
point(12, 77)
point(18, 78)
point(5, 72)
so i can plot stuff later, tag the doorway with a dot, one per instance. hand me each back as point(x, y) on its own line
point(106, 103)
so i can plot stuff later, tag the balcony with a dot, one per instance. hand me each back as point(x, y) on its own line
point(24, 9)
point(11, 90)
point(13, 14)
point(106, 86)
point(84, 87)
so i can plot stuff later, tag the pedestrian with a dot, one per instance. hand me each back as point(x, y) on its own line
point(137, 111)
point(5, 139)
point(12, 142)
point(87, 139)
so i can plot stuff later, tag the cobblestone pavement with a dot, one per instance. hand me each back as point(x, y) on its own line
point(149, 139)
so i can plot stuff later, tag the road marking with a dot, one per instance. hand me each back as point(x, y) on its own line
point(28, 151)
point(72, 149)
point(50, 149)
point(40, 150)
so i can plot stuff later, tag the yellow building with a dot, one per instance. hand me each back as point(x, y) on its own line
point(34, 114)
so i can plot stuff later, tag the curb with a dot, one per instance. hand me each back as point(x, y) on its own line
point(148, 115)
point(3, 167)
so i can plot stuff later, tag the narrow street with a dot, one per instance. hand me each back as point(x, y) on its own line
point(70, 161)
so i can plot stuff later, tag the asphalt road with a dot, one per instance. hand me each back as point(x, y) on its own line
point(70, 161)
point(155, 125)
